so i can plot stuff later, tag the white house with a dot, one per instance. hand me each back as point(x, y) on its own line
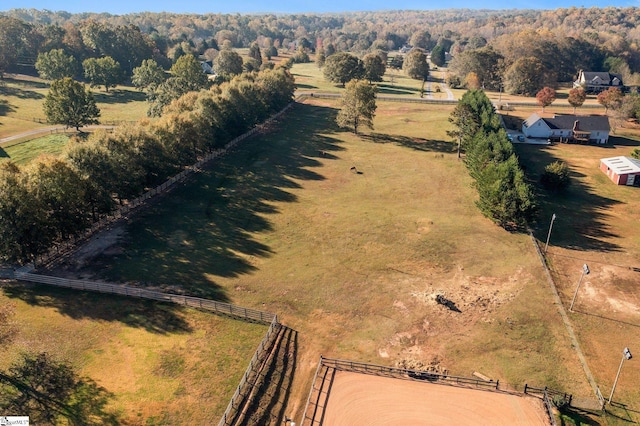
point(568, 128)
point(596, 82)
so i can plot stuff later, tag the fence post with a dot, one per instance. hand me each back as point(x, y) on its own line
point(525, 388)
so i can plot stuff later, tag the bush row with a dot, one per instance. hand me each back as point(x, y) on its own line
point(54, 198)
point(504, 194)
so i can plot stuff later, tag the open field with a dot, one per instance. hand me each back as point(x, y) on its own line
point(21, 100)
point(24, 152)
point(353, 261)
point(155, 361)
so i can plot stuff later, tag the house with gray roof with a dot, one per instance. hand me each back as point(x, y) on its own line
point(568, 128)
point(596, 81)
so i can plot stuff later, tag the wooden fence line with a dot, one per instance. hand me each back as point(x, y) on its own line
point(123, 290)
point(63, 247)
point(251, 373)
point(361, 367)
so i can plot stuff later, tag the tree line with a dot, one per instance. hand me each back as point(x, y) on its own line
point(504, 195)
point(54, 198)
point(553, 45)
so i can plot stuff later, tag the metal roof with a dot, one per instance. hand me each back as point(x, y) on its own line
point(622, 165)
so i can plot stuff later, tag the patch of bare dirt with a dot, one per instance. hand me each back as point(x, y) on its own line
point(107, 242)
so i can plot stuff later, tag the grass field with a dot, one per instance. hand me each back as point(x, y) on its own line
point(155, 361)
point(21, 99)
point(353, 261)
point(24, 152)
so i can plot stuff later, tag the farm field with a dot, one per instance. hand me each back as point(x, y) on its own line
point(155, 361)
point(21, 100)
point(353, 261)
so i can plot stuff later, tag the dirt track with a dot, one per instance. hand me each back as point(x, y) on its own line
point(359, 399)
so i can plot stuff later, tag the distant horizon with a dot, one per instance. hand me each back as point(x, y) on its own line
point(122, 7)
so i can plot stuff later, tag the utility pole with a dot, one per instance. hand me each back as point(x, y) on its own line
point(546, 246)
point(585, 271)
point(626, 354)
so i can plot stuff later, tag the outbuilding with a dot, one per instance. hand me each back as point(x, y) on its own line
point(622, 170)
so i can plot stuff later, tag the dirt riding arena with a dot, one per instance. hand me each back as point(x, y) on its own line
point(363, 399)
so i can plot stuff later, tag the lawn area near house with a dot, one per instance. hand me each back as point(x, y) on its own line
point(24, 152)
point(349, 239)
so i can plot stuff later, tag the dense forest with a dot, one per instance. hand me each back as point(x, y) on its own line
point(558, 42)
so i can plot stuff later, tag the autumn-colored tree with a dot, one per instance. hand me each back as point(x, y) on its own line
point(610, 98)
point(545, 97)
point(576, 98)
point(472, 81)
point(358, 106)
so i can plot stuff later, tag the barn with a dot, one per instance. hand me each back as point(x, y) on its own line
point(622, 170)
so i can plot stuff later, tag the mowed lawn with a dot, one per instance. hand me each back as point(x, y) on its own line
point(349, 239)
point(22, 97)
point(159, 364)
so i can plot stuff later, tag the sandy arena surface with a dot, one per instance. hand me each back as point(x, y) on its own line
point(360, 399)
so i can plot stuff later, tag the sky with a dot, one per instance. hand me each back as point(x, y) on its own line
point(120, 7)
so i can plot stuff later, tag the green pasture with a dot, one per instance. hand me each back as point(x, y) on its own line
point(352, 258)
point(24, 152)
point(160, 364)
point(21, 100)
point(310, 78)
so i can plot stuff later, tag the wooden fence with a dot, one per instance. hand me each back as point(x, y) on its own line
point(123, 290)
point(251, 374)
point(549, 396)
point(403, 373)
point(71, 243)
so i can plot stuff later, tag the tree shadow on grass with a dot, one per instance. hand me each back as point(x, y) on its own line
point(206, 228)
point(154, 317)
point(5, 107)
point(21, 93)
point(622, 141)
point(582, 219)
point(418, 144)
point(119, 96)
point(389, 89)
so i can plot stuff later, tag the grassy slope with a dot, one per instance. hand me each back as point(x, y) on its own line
point(22, 99)
point(161, 363)
point(351, 260)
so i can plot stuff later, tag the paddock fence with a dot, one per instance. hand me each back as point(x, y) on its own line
point(70, 244)
point(321, 385)
point(129, 291)
point(551, 398)
point(249, 379)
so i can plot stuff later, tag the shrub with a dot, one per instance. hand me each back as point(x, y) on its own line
point(556, 176)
